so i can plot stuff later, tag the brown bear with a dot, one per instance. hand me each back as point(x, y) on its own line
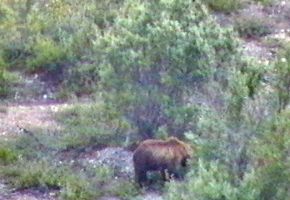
point(160, 155)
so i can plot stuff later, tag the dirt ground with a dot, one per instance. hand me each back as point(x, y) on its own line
point(30, 115)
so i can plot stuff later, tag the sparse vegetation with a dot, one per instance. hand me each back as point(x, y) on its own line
point(48, 171)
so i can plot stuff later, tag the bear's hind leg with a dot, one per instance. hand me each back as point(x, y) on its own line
point(140, 177)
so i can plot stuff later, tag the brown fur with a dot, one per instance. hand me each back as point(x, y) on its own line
point(159, 155)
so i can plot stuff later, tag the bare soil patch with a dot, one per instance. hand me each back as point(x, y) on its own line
point(29, 116)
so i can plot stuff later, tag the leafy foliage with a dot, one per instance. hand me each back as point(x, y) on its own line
point(250, 27)
point(155, 58)
point(48, 36)
point(266, 2)
point(206, 182)
point(224, 5)
point(82, 79)
point(3, 79)
point(272, 159)
point(7, 156)
point(282, 69)
point(92, 124)
point(47, 55)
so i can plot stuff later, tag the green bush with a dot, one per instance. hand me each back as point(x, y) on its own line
point(282, 83)
point(7, 156)
point(226, 6)
point(48, 36)
point(33, 173)
point(123, 189)
point(49, 173)
point(87, 184)
point(92, 124)
point(212, 181)
point(239, 92)
point(82, 79)
point(249, 187)
point(103, 174)
point(266, 2)
point(3, 78)
point(251, 27)
point(31, 146)
point(78, 187)
point(47, 55)
point(271, 160)
point(209, 136)
point(157, 55)
point(13, 44)
point(207, 181)
point(38, 174)
point(7, 79)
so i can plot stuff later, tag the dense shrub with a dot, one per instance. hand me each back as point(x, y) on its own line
point(38, 174)
point(7, 78)
point(266, 2)
point(82, 79)
point(7, 156)
point(261, 171)
point(3, 83)
point(271, 158)
point(47, 55)
point(282, 71)
point(207, 181)
point(252, 27)
point(124, 190)
point(78, 187)
point(49, 36)
point(224, 5)
point(92, 124)
point(155, 58)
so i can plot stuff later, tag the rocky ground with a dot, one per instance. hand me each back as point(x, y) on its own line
point(275, 17)
point(114, 157)
point(16, 116)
